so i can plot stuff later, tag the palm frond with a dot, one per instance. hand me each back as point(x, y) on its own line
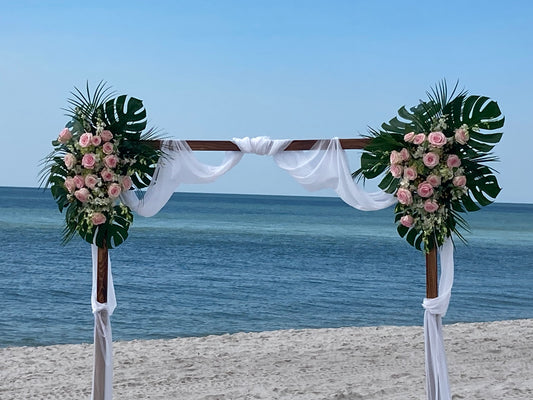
point(86, 103)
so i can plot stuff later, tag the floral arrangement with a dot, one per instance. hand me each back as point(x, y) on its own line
point(434, 160)
point(98, 155)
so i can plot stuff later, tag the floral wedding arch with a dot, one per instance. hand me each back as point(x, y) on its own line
point(432, 163)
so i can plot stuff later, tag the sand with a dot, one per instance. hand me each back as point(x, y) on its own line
point(486, 361)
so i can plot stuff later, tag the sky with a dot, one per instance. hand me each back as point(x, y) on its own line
point(284, 69)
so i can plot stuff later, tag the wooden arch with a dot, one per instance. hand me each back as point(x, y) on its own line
point(295, 145)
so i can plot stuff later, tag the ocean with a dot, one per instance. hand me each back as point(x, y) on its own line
point(224, 263)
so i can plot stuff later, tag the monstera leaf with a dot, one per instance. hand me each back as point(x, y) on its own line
point(123, 115)
point(127, 115)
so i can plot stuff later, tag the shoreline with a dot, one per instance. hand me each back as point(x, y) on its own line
point(487, 360)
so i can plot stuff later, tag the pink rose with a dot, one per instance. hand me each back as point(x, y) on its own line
point(106, 135)
point(431, 206)
point(98, 218)
point(408, 137)
point(461, 136)
point(111, 161)
point(70, 160)
point(88, 161)
point(79, 181)
point(424, 189)
point(107, 175)
point(453, 161)
point(395, 157)
point(96, 140)
point(419, 139)
point(82, 194)
point(114, 190)
point(437, 139)
point(459, 181)
point(433, 180)
point(410, 173)
point(407, 221)
point(108, 148)
point(91, 181)
point(86, 139)
point(404, 154)
point(64, 136)
point(430, 159)
point(70, 185)
point(404, 196)
point(396, 170)
point(126, 183)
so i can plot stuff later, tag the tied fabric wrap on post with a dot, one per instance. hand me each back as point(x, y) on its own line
point(103, 341)
point(437, 386)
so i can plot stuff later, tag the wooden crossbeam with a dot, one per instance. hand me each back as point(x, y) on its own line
point(295, 145)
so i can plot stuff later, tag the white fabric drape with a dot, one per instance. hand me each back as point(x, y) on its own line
point(177, 165)
point(324, 166)
point(437, 386)
point(103, 340)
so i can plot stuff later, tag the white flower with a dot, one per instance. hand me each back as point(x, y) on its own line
point(441, 124)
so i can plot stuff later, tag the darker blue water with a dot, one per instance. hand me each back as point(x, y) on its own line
point(212, 264)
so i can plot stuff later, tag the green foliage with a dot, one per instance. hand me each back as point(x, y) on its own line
point(481, 117)
point(129, 117)
point(125, 118)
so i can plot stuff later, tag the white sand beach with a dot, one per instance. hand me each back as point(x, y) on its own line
point(486, 361)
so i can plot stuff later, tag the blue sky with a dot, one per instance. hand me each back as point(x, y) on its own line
point(285, 69)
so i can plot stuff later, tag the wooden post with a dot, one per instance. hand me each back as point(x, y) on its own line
point(100, 370)
point(101, 278)
point(432, 290)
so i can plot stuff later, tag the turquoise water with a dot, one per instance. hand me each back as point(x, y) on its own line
point(212, 264)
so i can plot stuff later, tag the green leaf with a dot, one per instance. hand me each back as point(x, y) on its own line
point(469, 204)
point(411, 236)
point(388, 183)
point(402, 112)
point(402, 230)
point(372, 166)
point(418, 242)
point(483, 112)
point(486, 137)
point(479, 196)
point(127, 118)
point(480, 146)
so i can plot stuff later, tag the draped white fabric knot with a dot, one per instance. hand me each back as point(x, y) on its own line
point(437, 385)
point(261, 145)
